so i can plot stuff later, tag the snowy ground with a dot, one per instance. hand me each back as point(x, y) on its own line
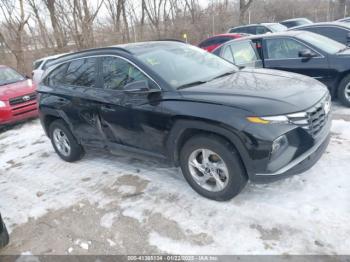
point(108, 204)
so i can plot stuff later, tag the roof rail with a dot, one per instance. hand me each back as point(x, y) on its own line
point(170, 40)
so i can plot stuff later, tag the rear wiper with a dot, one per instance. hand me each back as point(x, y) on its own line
point(192, 84)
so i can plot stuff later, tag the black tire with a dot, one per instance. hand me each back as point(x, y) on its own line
point(341, 91)
point(236, 172)
point(76, 150)
point(4, 236)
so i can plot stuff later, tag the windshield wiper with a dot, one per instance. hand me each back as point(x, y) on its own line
point(222, 75)
point(196, 83)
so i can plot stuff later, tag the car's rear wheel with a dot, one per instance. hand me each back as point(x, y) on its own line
point(64, 142)
point(212, 167)
point(344, 91)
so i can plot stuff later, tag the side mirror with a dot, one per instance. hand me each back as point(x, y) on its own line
point(307, 53)
point(138, 87)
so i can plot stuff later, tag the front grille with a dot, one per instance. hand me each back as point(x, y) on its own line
point(22, 99)
point(314, 119)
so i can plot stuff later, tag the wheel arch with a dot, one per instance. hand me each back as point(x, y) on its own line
point(184, 129)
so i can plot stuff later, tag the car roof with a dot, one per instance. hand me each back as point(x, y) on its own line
point(295, 19)
point(263, 24)
point(282, 33)
point(340, 24)
point(128, 49)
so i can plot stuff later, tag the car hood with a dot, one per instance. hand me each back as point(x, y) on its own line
point(260, 91)
point(16, 89)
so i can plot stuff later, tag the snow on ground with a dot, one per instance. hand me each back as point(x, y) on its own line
point(304, 214)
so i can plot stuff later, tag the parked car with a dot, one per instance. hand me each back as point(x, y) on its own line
point(339, 32)
point(300, 52)
point(40, 65)
point(296, 22)
point(257, 29)
point(4, 236)
point(215, 41)
point(344, 20)
point(184, 105)
point(17, 97)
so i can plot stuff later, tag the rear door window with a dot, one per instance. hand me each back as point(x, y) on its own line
point(81, 73)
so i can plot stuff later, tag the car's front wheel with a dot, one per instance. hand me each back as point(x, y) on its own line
point(64, 142)
point(344, 91)
point(212, 167)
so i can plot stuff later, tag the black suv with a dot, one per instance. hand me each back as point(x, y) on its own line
point(4, 236)
point(179, 103)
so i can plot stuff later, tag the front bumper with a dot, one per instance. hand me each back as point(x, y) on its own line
point(10, 115)
point(300, 164)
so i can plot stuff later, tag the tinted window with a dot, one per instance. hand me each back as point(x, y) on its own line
point(324, 43)
point(47, 63)
point(335, 33)
point(261, 30)
point(117, 73)
point(283, 48)
point(240, 30)
point(56, 77)
point(243, 53)
point(81, 72)
point(251, 30)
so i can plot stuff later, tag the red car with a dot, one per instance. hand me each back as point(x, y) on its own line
point(215, 41)
point(17, 97)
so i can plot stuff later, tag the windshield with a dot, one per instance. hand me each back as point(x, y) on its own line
point(182, 65)
point(277, 27)
point(324, 43)
point(8, 76)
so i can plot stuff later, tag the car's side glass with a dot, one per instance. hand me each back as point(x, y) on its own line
point(261, 30)
point(334, 33)
point(283, 48)
point(37, 64)
point(116, 73)
point(56, 77)
point(227, 54)
point(243, 53)
point(81, 72)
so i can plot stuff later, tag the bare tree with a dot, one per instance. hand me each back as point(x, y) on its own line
point(13, 30)
point(243, 7)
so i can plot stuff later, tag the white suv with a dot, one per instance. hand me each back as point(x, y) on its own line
point(40, 65)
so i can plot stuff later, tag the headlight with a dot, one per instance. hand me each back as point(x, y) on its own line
point(2, 104)
point(290, 118)
point(268, 120)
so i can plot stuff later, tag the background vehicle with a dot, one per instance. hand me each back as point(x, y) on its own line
point(257, 29)
point(344, 20)
point(17, 97)
point(4, 236)
point(215, 41)
point(181, 104)
point(339, 32)
point(241, 53)
point(40, 65)
point(301, 52)
point(296, 22)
